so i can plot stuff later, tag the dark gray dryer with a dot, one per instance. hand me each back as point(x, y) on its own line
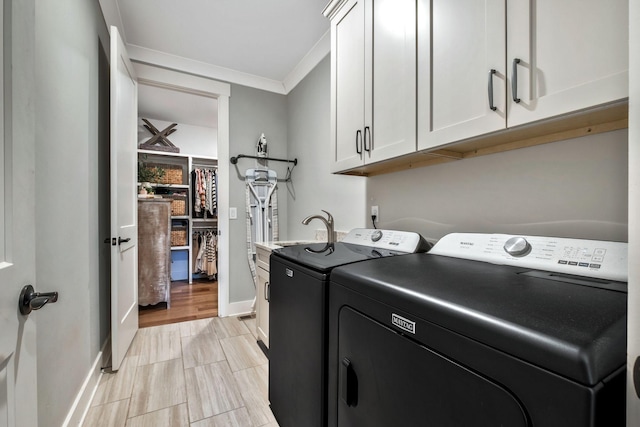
point(433, 339)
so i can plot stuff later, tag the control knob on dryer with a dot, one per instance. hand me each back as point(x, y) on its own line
point(376, 235)
point(517, 246)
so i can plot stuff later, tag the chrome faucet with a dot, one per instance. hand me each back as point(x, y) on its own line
point(328, 222)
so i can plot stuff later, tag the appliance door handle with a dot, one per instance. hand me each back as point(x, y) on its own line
point(491, 106)
point(359, 141)
point(514, 80)
point(349, 383)
point(367, 131)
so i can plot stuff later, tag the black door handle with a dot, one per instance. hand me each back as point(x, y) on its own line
point(32, 300)
point(514, 80)
point(491, 106)
point(349, 382)
point(121, 240)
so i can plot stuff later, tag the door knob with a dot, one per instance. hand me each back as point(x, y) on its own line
point(32, 300)
point(121, 240)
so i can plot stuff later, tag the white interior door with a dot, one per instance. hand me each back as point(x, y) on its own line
point(124, 223)
point(18, 390)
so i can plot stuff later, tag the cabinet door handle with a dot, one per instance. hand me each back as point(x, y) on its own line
point(491, 106)
point(349, 383)
point(514, 80)
point(267, 290)
point(359, 141)
point(367, 131)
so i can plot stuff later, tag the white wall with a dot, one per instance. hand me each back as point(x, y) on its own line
point(70, 127)
point(313, 188)
point(193, 140)
point(575, 188)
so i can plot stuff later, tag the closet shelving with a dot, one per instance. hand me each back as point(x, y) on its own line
point(183, 224)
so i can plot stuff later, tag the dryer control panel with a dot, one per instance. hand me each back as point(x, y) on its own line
point(590, 258)
point(395, 240)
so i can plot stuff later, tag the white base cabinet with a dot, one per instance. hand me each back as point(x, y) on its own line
point(262, 294)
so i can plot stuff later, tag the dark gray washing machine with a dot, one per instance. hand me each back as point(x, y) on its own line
point(298, 295)
point(484, 330)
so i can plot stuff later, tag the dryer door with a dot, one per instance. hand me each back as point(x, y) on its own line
point(387, 379)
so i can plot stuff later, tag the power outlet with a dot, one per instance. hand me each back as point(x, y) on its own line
point(374, 211)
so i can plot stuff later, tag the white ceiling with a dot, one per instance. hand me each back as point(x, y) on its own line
point(258, 37)
point(257, 43)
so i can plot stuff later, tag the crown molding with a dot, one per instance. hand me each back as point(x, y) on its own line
point(332, 8)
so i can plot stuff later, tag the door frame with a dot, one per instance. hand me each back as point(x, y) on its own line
point(174, 80)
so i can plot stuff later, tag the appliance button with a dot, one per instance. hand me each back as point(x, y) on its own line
point(517, 246)
point(376, 235)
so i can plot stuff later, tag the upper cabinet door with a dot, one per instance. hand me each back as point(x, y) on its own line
point(460, 42)
point(348, 86)
point(573, 54)
point(391, 130)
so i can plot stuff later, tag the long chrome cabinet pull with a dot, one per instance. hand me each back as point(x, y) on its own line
point(493, 107)
point(514, 80)
point(367, 131)
point(359, 141)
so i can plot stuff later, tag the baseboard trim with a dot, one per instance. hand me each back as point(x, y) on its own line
point(240, 308)
point(82, 402)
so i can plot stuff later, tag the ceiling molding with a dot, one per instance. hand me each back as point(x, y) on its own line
point(197, 68)
point(111, 14)
point(332, 8)
point(317, 53)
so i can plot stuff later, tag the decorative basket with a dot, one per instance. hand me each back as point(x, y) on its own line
point(172, 174)
point(178, 206)
point(178, 237)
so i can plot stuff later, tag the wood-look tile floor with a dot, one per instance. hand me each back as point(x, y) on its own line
point(200, 373)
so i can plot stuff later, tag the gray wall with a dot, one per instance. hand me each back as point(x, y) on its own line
point(313, 188)
point(69, 132)
point(575, 188)
point(252, 112)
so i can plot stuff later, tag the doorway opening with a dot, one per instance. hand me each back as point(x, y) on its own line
point(197, 256)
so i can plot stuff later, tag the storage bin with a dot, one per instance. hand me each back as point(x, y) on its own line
point(179, 265)
point(178, 205)
point(179, 236)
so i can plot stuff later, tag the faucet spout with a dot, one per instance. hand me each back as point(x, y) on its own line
point(328, 222)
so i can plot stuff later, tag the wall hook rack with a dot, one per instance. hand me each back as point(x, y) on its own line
point(234, 160)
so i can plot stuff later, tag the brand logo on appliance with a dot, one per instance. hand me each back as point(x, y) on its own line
point(404, 324)
point(467, 243)
point(288, 272)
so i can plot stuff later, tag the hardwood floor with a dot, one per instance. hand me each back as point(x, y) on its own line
point(188, 302)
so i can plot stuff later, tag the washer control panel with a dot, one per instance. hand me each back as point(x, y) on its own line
point(401, 241)
point(590, 258)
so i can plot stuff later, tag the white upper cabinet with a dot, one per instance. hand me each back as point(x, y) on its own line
point(573, 55)
point(373, 81)
point(461, 70)
point(479, 72)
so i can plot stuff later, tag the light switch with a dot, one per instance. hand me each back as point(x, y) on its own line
point(233, 213)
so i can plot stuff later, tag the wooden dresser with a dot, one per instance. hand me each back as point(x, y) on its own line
point(154, 251)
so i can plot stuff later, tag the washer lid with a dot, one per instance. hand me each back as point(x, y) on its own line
point(576, 331)
point(323, 257)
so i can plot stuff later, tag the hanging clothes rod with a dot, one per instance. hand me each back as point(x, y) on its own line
point(202, 165)
point(234, 160)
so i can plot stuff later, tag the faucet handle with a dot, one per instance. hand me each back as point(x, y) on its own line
point(329, 216)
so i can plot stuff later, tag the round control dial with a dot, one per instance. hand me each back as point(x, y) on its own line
point(517, 246)
point(376, 235)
